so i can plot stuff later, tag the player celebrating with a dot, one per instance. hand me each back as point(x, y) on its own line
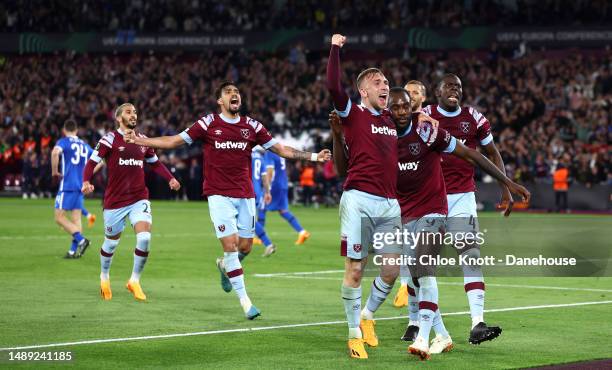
point(370, 187)
point(471, 128)
point(261, 187)
point(418, 95)
point(276, 170)
point(126, 196)
point(74, 153)
point(422, 197)
point(228, 140)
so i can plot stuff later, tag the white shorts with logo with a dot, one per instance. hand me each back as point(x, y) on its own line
point(378, 214)
point(430, 223)
point(462, 216)
point(232, 215)
point(114, 219)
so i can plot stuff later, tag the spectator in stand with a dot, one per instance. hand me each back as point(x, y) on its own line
point(561, 180)
point(307, 182)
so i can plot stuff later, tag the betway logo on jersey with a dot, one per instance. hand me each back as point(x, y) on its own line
point(408, 166)
point(131, 162)
point(231, 145)
point(384, 130)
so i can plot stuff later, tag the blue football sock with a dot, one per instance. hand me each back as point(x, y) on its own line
point(295, 224)
point(84, 212)
point(261, 234)
point(261, 217)
point(78, 237)
point(73, 246)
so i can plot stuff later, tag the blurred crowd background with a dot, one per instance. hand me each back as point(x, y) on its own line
point(251, 15)
point(548, 108)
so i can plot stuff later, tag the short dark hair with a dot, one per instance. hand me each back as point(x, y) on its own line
point(365, 73)
point(224, 84)
point(399, 90)
point(441, 80)
point(70, 125)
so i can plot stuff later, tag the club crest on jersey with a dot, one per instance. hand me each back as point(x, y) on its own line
point(221, 228)
point(245, 133)
point(415, 148)
point(357, 248)
point(465, 127)
point(218, 132)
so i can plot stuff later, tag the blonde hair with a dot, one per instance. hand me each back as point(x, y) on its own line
point(120, 109)
point(418, 83)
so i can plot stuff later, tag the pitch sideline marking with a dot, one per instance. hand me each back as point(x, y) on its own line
point(323, 323)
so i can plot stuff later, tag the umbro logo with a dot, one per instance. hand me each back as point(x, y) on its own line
point(121, 148)
point(218, 132)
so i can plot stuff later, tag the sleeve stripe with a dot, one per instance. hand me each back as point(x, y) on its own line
point(486, 140)
point(152, 159)
point(270, 144)
point(58, 147)
point(346, 111)
point(203, 125)
point(102, 141)
point(185, 136)
point(95, 157)
point(110, 137)
point(259, 127)
point(433, 136)
point(451, 145)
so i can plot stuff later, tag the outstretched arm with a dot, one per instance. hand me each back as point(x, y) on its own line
point(161, 170)
point(496, 158)
point(162, 142)
point(487, 166)
point(292, 153)
point(334, 74)
point(339, 149)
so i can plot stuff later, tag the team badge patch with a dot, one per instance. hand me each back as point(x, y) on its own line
point(221, 228)
point(357, 248)
point(415, 148)
point(465, 127)
point(245, 133)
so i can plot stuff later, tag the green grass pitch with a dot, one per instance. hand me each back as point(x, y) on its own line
point(45, 299)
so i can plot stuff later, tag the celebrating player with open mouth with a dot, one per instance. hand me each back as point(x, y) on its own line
point(422, 197)
point(126, 195)
point(228, 139)
point(471, 128)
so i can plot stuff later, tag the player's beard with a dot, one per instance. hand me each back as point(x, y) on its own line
point(128, 124)
point(234, 111)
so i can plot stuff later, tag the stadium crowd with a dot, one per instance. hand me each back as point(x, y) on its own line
point(206, 15)
point(545, 108)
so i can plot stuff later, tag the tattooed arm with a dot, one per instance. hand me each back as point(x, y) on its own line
point(292, 153)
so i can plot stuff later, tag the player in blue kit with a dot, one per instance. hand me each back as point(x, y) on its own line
point(277, 171)
point(261, 185)
point(68, 160)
